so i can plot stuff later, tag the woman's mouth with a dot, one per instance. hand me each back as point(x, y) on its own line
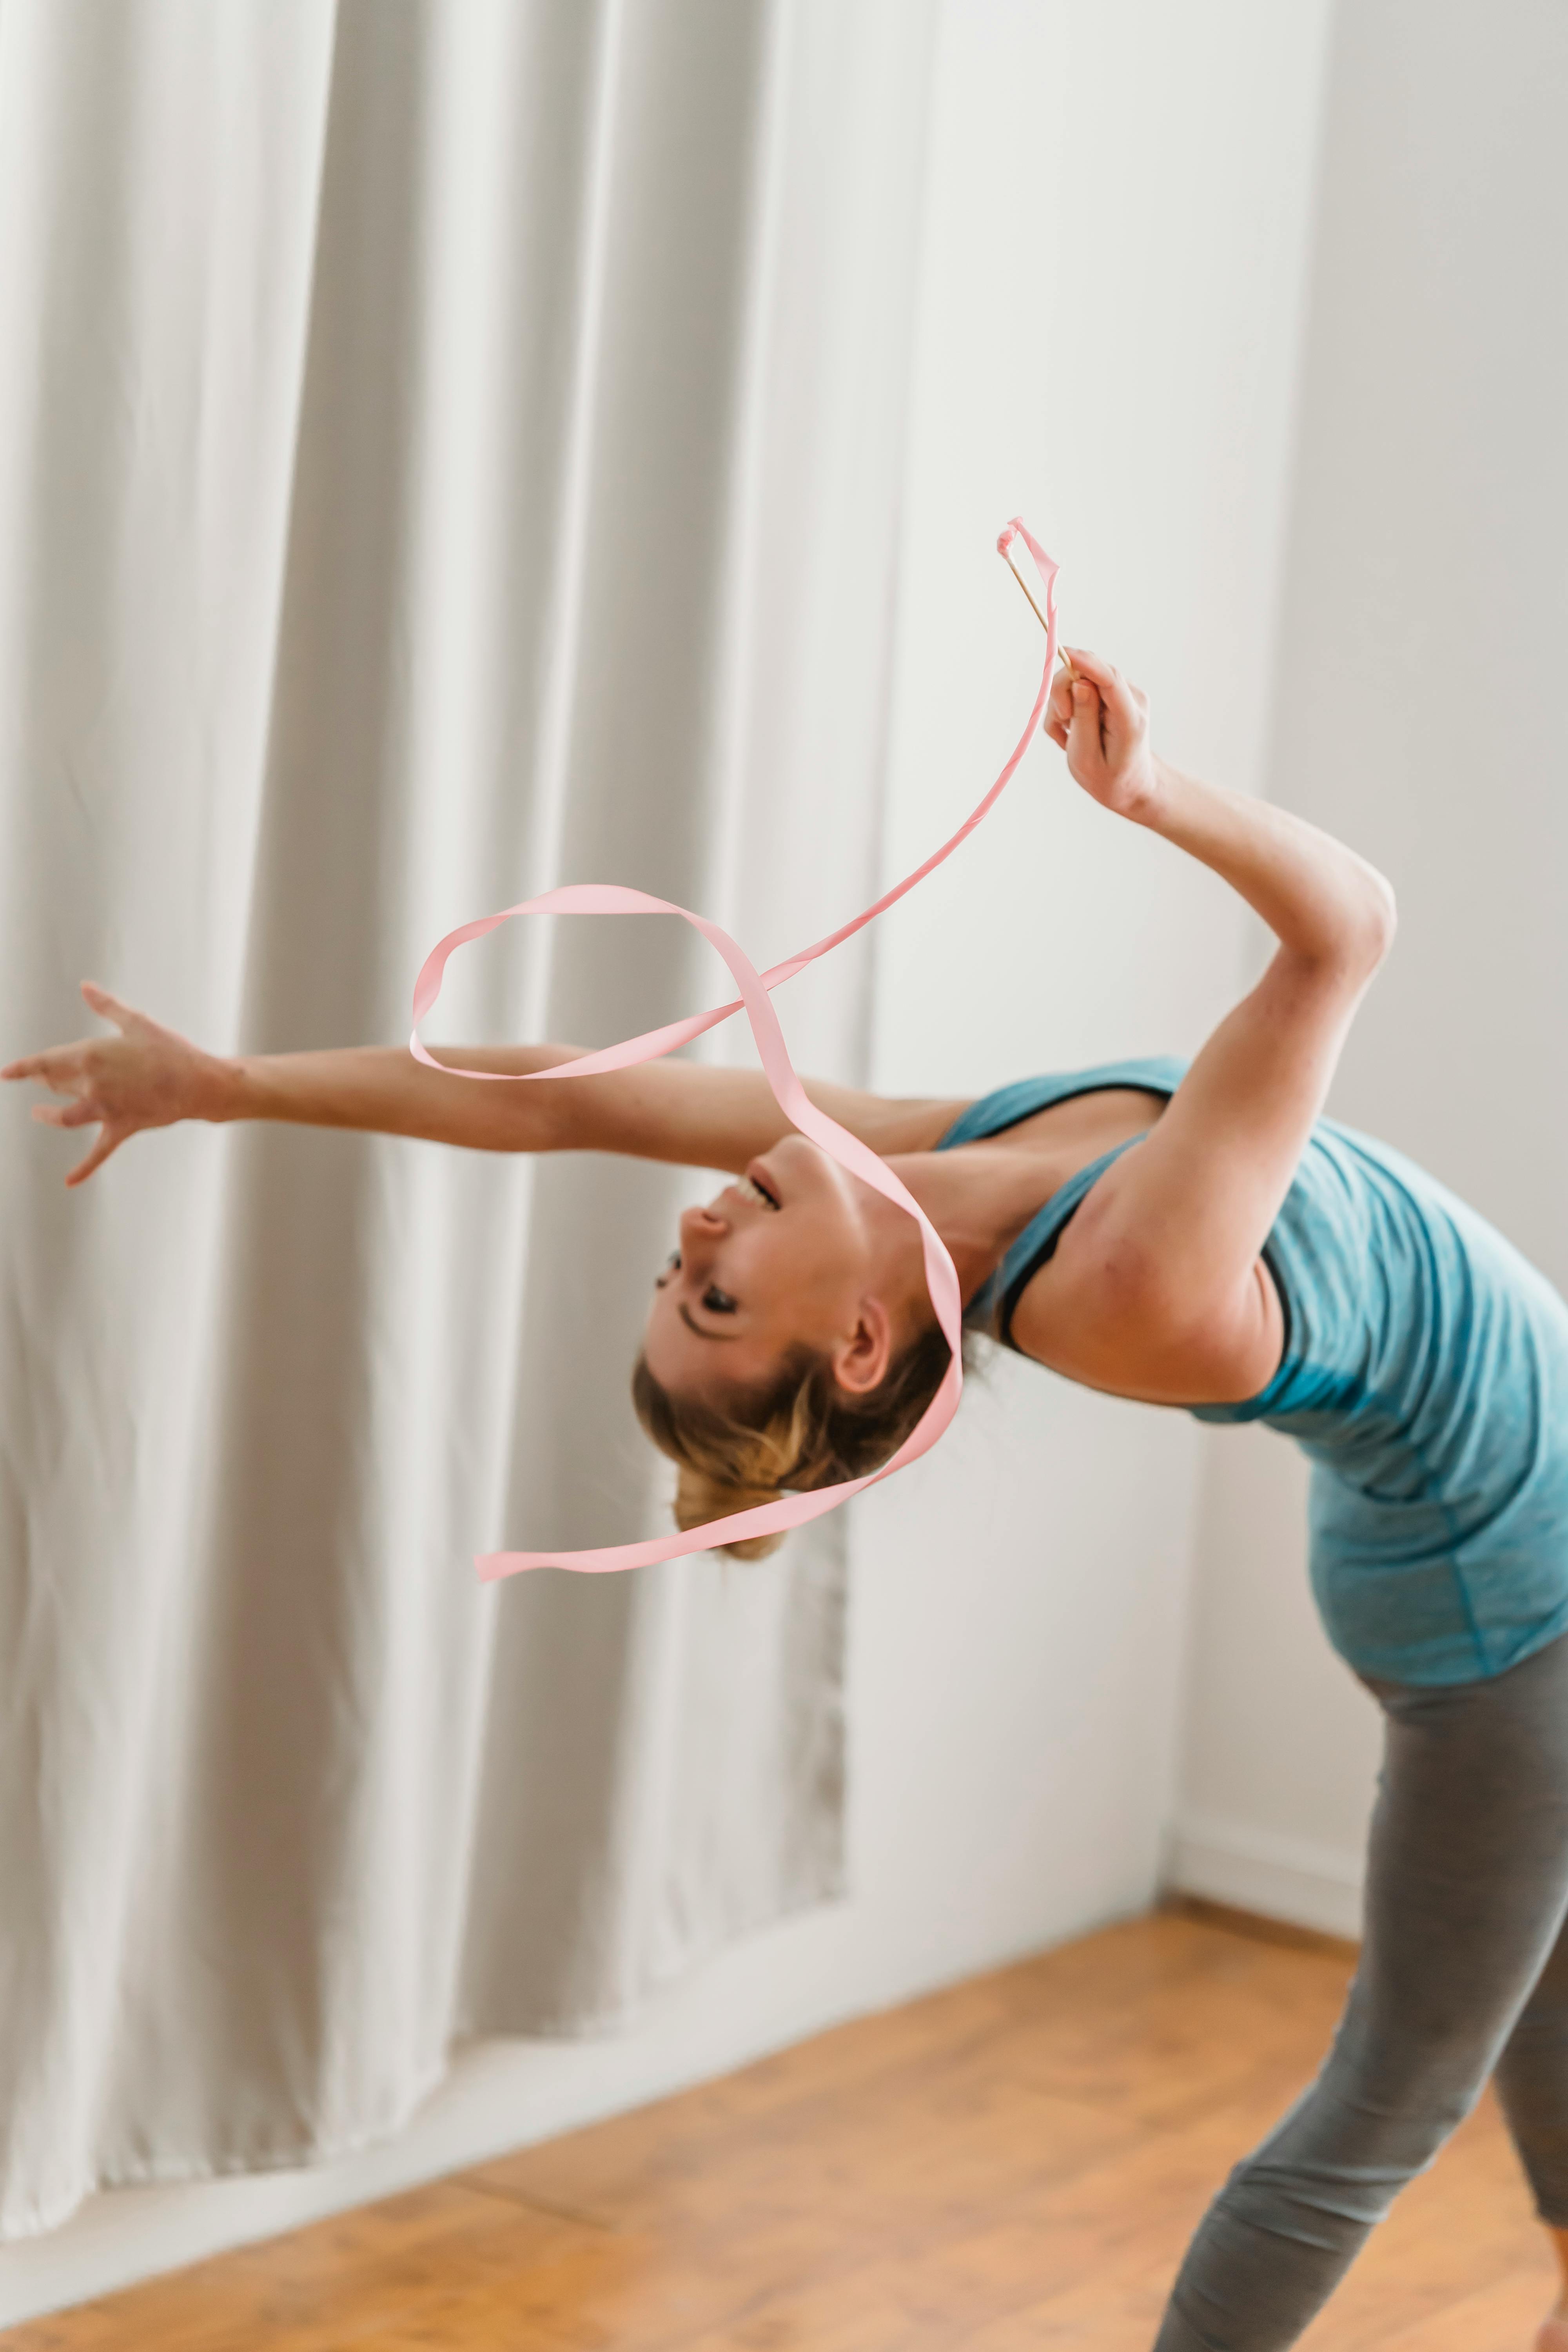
point(755, 1189)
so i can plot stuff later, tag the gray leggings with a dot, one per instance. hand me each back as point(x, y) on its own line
point(1463, 1973)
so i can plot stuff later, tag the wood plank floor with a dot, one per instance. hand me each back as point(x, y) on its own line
point(1013, 2164)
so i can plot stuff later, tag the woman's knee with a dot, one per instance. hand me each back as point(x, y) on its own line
point(1338, 2160)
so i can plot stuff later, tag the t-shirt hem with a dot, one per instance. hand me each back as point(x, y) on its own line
point(1447, 1669)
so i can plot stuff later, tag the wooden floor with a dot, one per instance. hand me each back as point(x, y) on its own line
point(1011, 2165)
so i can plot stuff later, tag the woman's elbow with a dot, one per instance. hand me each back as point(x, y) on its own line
point(1372, 918)
point(1359, 933)
point(1382, 921)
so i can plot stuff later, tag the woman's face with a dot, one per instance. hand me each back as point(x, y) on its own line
point(796, 1251)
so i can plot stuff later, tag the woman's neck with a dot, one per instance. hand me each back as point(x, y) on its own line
point(980, 1198)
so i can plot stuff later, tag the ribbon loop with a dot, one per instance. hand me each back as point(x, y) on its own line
point(941, 1278)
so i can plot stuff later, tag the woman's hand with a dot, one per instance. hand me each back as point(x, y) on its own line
point(147, 1076)
point(1102, 724)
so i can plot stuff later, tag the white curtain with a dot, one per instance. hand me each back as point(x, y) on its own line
point(445, 451)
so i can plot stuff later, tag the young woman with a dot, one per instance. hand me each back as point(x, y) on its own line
point(1191, 1236)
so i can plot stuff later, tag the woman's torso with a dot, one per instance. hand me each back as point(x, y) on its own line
point(1425, 1372)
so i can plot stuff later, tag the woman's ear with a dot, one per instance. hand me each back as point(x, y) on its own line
point(861, 1360)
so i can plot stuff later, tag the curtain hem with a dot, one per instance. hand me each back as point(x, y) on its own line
point(175, 2172)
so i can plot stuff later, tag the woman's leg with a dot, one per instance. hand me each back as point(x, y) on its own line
point(1467, 1891)
point(1532, 2086)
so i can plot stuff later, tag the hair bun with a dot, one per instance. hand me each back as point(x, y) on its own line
point(802, 1433)
point(699, 1497)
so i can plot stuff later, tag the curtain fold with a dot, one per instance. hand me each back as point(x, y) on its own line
point(444, 452)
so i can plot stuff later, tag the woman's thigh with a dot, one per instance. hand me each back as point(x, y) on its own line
point(1467, 1880)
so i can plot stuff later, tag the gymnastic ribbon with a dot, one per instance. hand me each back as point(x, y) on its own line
point(790, 1510)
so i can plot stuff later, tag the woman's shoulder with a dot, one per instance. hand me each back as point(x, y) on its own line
point(1020, 1098)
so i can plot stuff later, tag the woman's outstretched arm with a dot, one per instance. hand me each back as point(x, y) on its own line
point(1159, 1279)
point(147, 1075)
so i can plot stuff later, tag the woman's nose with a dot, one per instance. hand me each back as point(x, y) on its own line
point(700, 1225)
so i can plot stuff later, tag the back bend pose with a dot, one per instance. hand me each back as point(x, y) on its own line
point(1190, 1236)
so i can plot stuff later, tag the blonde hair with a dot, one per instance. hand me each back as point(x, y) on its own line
point(800, 1432)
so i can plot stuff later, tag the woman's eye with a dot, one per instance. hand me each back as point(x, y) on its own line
point(717, 1301)
point(671, 1265)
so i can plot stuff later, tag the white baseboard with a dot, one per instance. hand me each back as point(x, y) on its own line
point(1256, 1870)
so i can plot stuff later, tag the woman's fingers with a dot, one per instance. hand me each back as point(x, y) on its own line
point(1058, 709)
point(1112, 687)
point(58, 1064)
point(108, 1008)
point(108, 1083)
point(1125, 715)
point(1104, 673)
point(1085, 748)
point(109, 1139)
point(1125, 704)
point(1100, 720)
point(111, 1132)
point(61, 1068)
point(1084, 740)
point(55, 1065)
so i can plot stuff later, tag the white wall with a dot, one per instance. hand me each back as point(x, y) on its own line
point(1115, 266)
point(1114, 252)
point(1419, 715)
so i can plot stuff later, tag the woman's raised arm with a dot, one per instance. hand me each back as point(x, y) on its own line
point(1159, 1274)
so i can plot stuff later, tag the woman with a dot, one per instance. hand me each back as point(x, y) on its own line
point(1194, 1237)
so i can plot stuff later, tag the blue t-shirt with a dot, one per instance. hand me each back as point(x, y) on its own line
point(1424, 1372)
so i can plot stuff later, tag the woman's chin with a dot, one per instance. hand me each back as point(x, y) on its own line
point(802, 1169)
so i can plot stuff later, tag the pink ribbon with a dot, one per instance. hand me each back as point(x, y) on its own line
point(942, 1278)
